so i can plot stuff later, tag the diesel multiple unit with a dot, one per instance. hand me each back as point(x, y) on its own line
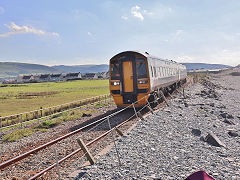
point(134, 75)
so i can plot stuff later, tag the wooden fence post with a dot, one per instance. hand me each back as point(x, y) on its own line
point(21, 120)
point(86, 151)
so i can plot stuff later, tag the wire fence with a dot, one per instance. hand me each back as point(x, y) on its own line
point(107, 119)
point(157, 96)
point(40, 114)
point(111, 128)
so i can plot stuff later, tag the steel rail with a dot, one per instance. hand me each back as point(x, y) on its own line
point(77, 150)
point(24, 155)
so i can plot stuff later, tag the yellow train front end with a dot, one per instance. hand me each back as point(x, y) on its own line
point(129, 79)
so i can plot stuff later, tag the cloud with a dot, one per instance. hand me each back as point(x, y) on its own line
point(218, 56)
point(135, 11)
point(179, 32)
point(89, 33)
point(15, 29)
point(2, 10)
point(147, 12)
point(124, 17)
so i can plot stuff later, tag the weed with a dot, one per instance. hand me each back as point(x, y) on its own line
point(41, 130)
point(17, 134)
point(48, 124)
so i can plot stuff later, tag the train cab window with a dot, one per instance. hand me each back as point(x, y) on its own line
point(141, 68)
point(115, 72)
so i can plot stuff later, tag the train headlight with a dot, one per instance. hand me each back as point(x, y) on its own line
point(143, 82)
point(115, 83)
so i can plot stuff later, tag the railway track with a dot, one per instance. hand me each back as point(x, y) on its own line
point(38, 161)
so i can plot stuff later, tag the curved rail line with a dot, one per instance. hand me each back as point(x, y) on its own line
point(24, 155)
point(88, 144)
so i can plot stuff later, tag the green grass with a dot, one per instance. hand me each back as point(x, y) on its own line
point(48, 124)
point(27, 97)
point(53, 122)
point(17, 134)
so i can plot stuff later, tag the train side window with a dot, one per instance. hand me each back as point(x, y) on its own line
point(141, 68)
point(115, 73)
point(152, 71)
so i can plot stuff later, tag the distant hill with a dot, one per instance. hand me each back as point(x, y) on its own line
point(194, 66)
point(104, 67)
point(13, 69)
point(83, 68)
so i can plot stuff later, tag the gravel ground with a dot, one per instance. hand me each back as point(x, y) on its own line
point(46, 157)
point(171, 144)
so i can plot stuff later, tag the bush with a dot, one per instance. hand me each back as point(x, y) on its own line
point(48, 124)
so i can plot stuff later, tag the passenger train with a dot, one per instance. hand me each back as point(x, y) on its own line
point(134, 75)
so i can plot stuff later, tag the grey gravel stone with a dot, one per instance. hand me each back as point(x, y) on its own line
point(163, 147)
point(214, 140)
point(196, 132)
point(233, 133)
point(228, 121)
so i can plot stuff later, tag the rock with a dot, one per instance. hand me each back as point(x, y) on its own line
point(203, 93)
point(230, 159)
point(86, 115)
point(226, 115)
point(229, 116)
point(233, 133)
point(228, 121)
point(196, 132)
point(223, 115)
point(213, 140)
point(211, 104)
point(222, 107)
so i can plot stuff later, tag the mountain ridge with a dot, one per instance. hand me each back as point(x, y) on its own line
point(13, 69)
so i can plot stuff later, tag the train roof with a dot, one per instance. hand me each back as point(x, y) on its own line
point(147, 55)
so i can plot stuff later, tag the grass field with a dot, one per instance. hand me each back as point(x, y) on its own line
point(18, 98)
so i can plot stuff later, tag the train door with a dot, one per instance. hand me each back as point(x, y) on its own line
point(128, 76)
point(128, 80)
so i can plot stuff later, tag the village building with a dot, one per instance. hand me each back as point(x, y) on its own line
point(73, 76)
point(44, 78)
point(24, 79)
point(56, 77)
point(90, 76)
point(103, 75)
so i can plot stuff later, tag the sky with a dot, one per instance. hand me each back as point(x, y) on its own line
point(77, 32)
